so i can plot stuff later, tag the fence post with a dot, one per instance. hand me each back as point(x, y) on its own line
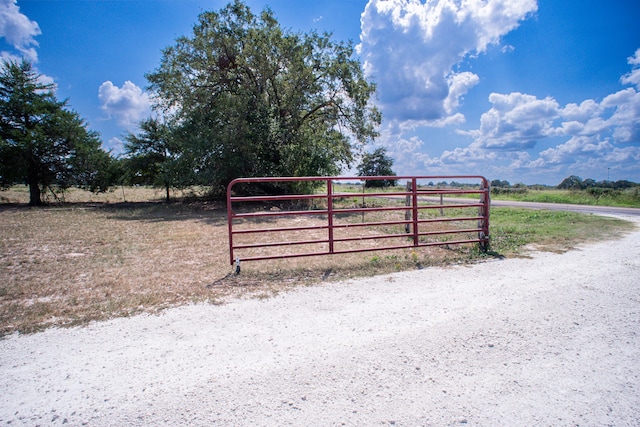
point(407, 212)
point(364, 187)
point(414, 196)
point(230, 222)
point(330, 212)
point(483, 211)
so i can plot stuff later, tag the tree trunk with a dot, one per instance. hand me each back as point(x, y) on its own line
point(167, 188)
point(34, 192)
point(34, 184)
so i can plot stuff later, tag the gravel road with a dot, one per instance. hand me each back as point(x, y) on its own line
point(553, 339)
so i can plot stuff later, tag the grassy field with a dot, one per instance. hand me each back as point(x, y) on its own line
point(595, 197)
point(98, 257)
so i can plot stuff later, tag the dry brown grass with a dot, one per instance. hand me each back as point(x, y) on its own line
point(71, 264)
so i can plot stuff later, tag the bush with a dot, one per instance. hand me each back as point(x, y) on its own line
point(598, 192)
point(509, 190)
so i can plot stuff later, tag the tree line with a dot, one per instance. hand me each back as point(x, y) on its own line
point(572, 182)
point(239, 97)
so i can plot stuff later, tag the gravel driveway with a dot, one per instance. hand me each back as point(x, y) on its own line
point(549, 340)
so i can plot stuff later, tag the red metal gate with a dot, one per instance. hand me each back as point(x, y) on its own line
point(332, 221)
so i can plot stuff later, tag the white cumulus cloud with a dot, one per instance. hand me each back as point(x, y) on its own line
point(127, 104)
point(606, 132)
point(572, 149)
point(19, 31)
point(582, 138)
point(410, 49)
point(634, 76)
point(516, 121)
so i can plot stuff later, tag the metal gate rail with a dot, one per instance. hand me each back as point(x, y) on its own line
point(417, 199)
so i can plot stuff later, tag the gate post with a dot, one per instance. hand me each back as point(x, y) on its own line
point(414, 197)
point(407, 212)
point(330, 212)
point(230, 222)
point(483, 211)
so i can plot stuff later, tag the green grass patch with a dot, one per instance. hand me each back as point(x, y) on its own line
point(593, 197)
point(512, 230)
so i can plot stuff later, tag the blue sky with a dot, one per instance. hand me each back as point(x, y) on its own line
point(519, 90)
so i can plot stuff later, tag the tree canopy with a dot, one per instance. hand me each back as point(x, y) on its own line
point(42, 143)
point(377, 163)
point(249, 98)
point(152, 157)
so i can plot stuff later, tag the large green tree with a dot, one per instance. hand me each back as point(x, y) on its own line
point(572, 182)
point(42, 142)
point(252, 99)
point(377, 163)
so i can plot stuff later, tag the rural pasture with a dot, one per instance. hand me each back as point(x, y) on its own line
point(125, 252)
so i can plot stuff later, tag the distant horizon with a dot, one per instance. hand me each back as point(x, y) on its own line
point(448, 181)
point(516, 90)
